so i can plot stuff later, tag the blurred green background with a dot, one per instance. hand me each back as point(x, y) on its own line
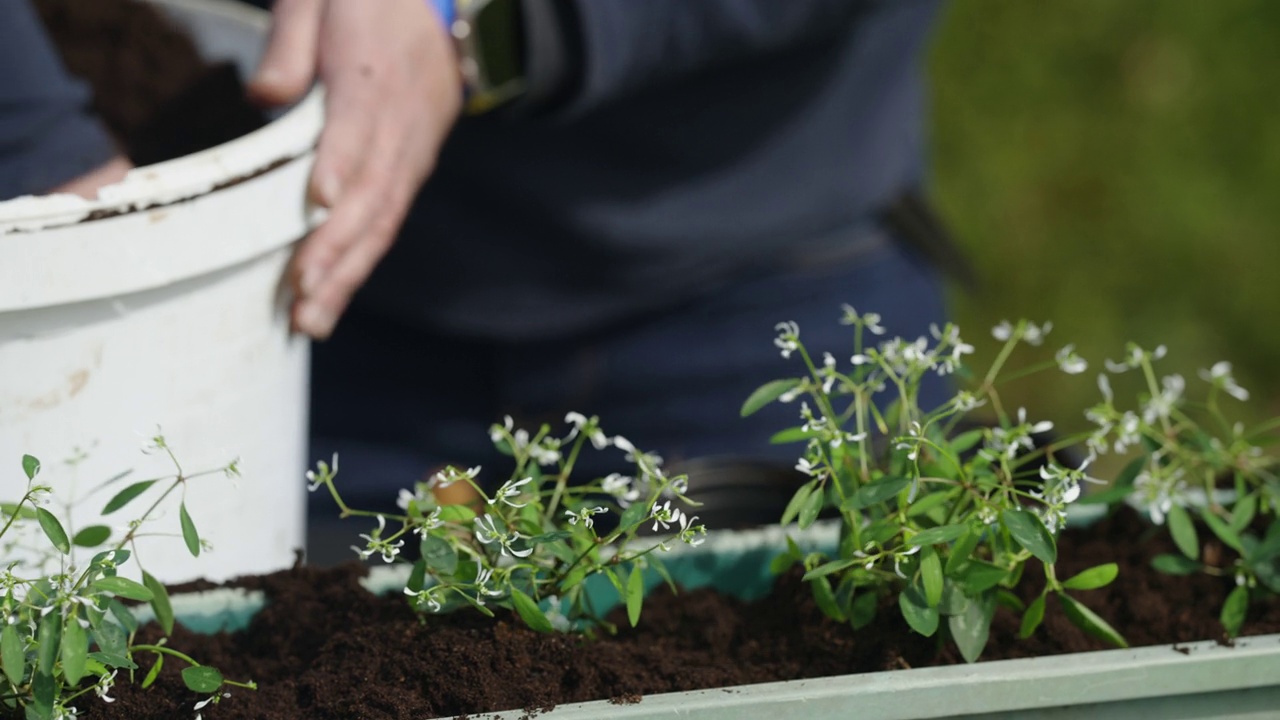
point(1114, 166)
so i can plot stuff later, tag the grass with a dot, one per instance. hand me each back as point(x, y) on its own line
point(1115, 167)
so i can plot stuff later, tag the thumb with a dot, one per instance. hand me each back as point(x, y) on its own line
point(289, 63)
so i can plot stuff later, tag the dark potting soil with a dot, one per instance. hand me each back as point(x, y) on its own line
point(151, 88)
point(326, 649)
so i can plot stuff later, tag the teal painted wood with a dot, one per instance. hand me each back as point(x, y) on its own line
point(1206, 681)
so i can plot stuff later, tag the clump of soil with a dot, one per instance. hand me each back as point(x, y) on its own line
point(326, 649)
point(151, 87)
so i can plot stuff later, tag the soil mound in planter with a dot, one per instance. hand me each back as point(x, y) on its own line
point(325, 649)
point(151, 88)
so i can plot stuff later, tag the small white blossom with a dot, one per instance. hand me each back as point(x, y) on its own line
point(510, 490)
point(315, 479)
point(664, 516)
point(1003, 331)
point(580, 423)
point(1069, 362)
point(584, 515)
point(965, 401)
point(426, 596)
point(451, 475)
point(788, 340)
point(1220, 377)
point(486, 531)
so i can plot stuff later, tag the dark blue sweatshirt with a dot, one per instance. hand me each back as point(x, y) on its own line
point(706, 141)
point(47, 134)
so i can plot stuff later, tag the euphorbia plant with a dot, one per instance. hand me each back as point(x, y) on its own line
point(66, 633)
point(530, 545)
point(944, 517)
point(1196, 471)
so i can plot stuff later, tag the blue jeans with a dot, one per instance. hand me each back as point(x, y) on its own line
point(397, 402)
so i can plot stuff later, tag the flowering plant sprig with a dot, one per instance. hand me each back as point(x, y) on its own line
point(65, 633)
point(530, 545)
point(945, 518)
point(1196, 471)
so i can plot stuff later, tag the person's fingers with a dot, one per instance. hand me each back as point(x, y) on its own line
point(88, 185)
point(289, 64)
point(357, 235)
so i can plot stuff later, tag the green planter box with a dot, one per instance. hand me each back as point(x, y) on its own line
point(1201, 680)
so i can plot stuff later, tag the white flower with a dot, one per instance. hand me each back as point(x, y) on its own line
point(104, 686)
point(580, 423)
point(692, 534)
point(1104, 386)
point(870, 321)
point(584, 515)
point(375, 544)
point(965, 401)
point(427, 596)
point(1220, 376)
point(315, 479)
point(498, 432)
point(487, 531)
point(664, 516)
point(451, 475)
point(1069, 362)
point(1162, 405)
point(788, 338)
point(428, 523)
point(1002, 331)
point(624, 444)
point(510, 490)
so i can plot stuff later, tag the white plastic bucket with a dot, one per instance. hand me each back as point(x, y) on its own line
point(168, 312)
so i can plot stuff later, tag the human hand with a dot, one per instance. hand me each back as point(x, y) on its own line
point(87, 185)
point(393, 91)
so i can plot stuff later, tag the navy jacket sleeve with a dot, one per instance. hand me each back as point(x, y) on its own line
point(627, 45)
point(47, 132)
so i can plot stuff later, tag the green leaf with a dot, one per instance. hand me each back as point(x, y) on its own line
point(876, 492)
point(797, 502)
point(111, 639)
point(971, 629)
point(202, 679)
point(160, 604)
point(122, 615)
point(633, 516)
point(53, 530)
point(1085, 619)
point(123, 587)
point(30, 467)
point(827, 568)
point(826, 599)
point(940, 534)
point(125, 496)
point(75, 651)
point(1223, 531)
point(43, 692)
point(965, 441)
point(12, 654)
point(549, 537)
point(792, 435)
point(862, 611)
point(24, 511)
point(780, 563)
point(1032, 618)
point(635, 595)
point(1093, 578)
point(931, 576)
point(1030, 533)
point(928, 503)
point(962, 551)
point(916, 611)
point(528, 611)
point(439, 555)
point(1243, 511)
point(809, 512)
point(48, 640)
point(189, 534)
point(1234, 610)
point(417, 576)
point(954, 601)
point(766, 394)
point(1184, 532)
point(1007, 599)
point(153, 673)
point(457, 514)
point(1175, 564)
point(978, 576)
point(92, 536)
point(112, 660)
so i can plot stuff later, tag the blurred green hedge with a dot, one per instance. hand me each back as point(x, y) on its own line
point(1114, 166)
